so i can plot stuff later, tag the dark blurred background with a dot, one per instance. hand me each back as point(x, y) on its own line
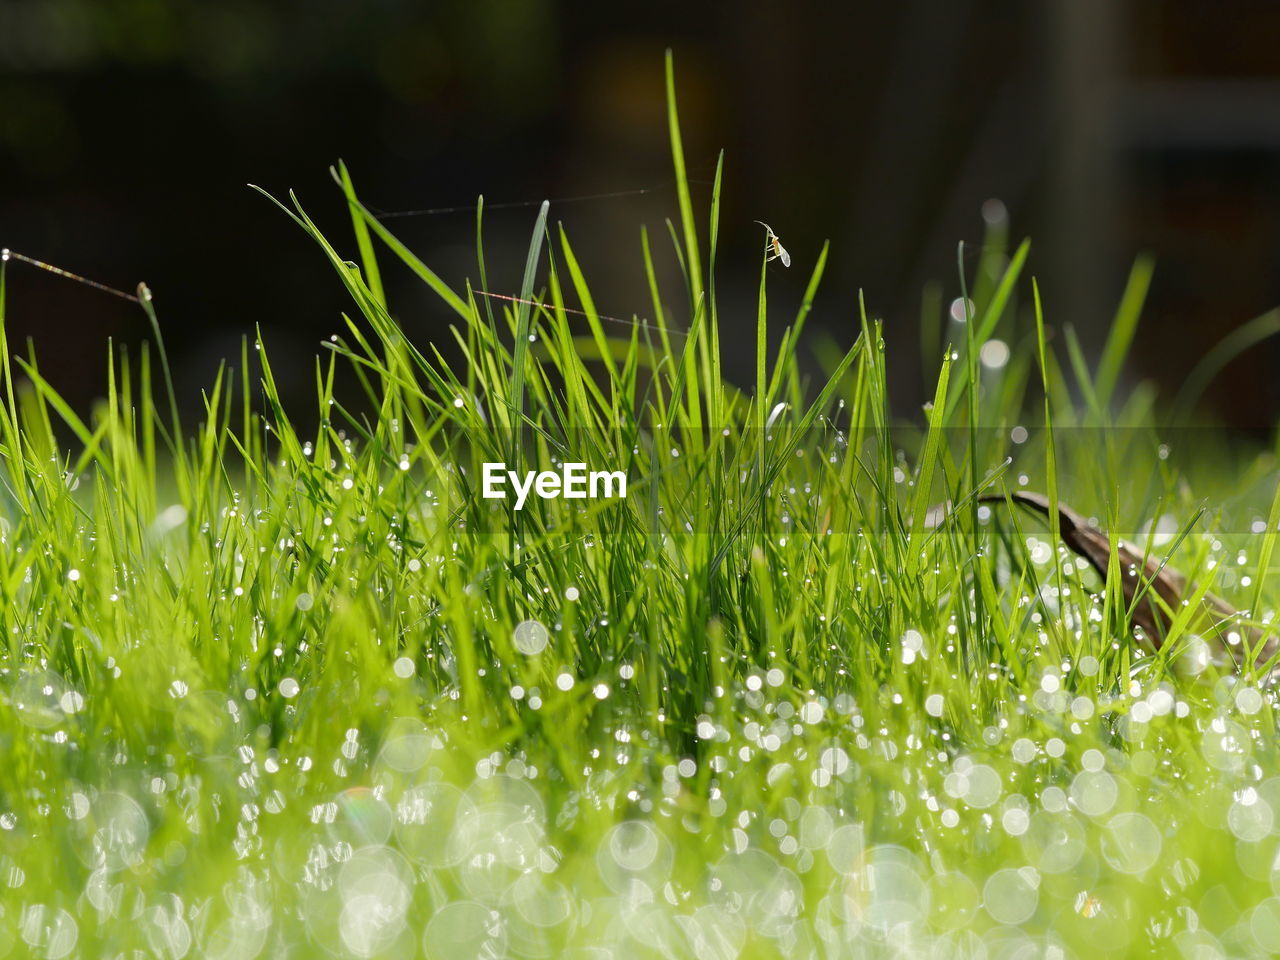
point(129, 128)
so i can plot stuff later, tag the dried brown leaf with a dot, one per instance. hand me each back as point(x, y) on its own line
point(1140, 579)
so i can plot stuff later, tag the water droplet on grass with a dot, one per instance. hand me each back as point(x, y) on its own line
point(1250, 818)
point(1248, 700)
point(1015, 821)
point(994, 354)
point(464, 928)
point(960, 310)
point(1011, 895)
point(1132, 843)
point(530, 637)
point(1094, 792)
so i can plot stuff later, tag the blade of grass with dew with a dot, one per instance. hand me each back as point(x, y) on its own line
point(921, 496)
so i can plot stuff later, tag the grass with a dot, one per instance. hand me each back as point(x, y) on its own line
point(272, 694)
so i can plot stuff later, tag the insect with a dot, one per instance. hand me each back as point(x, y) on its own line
point(773, 246)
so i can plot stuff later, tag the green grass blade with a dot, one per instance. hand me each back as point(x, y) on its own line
point(693, 257)
point(1123, 328)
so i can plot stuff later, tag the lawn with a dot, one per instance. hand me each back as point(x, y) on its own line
point(816, 687)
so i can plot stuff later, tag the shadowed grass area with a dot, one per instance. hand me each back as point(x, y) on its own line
point(272, 694)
